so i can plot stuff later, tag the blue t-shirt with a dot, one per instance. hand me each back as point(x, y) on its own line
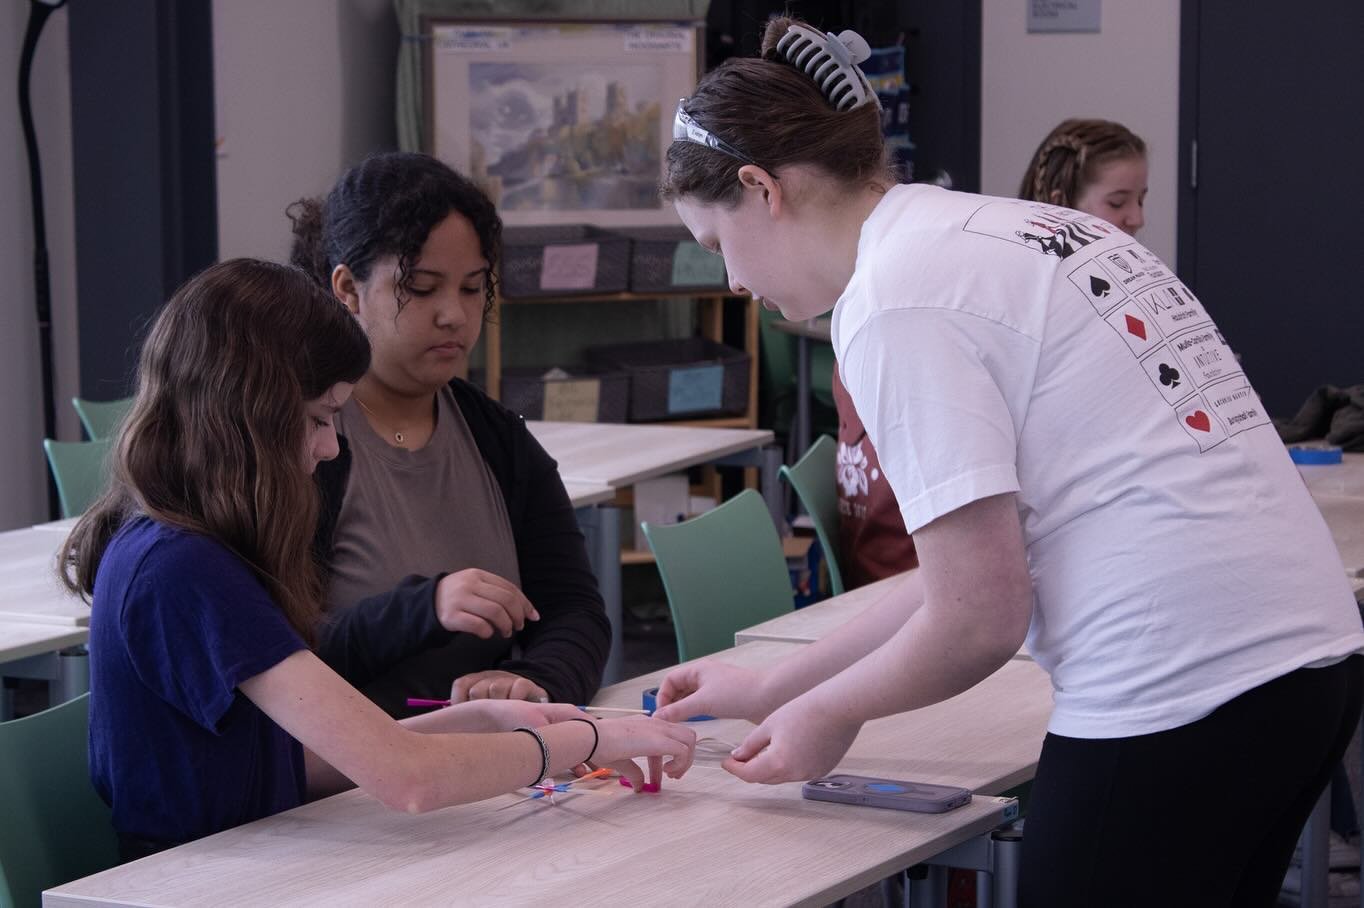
point(177, 622)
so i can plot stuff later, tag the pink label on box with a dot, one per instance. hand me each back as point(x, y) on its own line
point(569, 267)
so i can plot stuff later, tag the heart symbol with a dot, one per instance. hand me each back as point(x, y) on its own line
point(1136, 326)
point(1098, 286)
point(1199, 420)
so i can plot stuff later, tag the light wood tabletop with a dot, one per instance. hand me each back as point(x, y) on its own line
point(30, 591)
point(986, 739)
point(1340, 479)
point(19, 641)
point(813, 622)
point(620, 455)
point(584, 494)
point(707, 838)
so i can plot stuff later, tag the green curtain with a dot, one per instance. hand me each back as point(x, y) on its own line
point(412, 12)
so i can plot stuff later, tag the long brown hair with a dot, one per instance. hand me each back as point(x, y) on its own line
point(777, 116)
point(1070, 156)
point(214, 440)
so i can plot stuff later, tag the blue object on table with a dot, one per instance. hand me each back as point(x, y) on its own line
point(1315, 455)
point(651, 704)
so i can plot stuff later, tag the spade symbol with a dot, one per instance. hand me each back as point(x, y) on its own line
point(1098, 286)
point(1169, 376)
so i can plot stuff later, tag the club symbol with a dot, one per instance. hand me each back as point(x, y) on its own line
point(1098, 286)
point(1118, 260)
point(1169, 376)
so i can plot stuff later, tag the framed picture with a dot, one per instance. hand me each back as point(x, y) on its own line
point(560, 122)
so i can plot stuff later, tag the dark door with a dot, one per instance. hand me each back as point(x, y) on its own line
point(1272, 183)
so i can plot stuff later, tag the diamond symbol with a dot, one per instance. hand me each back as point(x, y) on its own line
point(1136, 326)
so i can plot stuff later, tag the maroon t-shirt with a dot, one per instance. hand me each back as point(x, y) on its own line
point(872, 540)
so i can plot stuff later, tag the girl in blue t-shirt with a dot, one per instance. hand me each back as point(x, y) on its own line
point(207, 707)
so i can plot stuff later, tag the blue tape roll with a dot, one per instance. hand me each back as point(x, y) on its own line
point(651, 704)
point(1315, 454)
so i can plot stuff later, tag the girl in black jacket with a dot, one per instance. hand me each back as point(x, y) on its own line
point(452, 549)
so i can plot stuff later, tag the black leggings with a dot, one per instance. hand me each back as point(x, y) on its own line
point(1206, 814)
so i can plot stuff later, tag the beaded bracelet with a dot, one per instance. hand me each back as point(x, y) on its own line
point(596, 738)
point(544, 752)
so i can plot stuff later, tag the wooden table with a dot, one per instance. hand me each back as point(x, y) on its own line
point(806, 625)
point(707, 839)
point(819, 330)
point(612, 456)
point(986, 739)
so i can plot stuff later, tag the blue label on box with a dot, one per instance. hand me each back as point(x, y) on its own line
point(695, 389)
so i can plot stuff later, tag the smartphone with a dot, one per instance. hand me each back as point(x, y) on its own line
point(896, 794)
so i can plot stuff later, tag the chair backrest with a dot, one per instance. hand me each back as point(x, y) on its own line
point(812, 477)
point(56, 828)
point(101, 417)
point(723, 571)
point(79, 469)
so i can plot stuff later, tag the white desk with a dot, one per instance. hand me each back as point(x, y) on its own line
point(587, 494)
point(612, 456)
point(621, 455)
point(707, 839)
point(30, 591)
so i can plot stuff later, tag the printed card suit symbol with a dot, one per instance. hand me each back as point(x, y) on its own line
point(1136, 326)
point(1169, 376)
point(1098, 286)
point(1199, 420)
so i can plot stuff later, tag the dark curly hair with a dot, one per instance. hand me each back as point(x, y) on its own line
point(387, 205)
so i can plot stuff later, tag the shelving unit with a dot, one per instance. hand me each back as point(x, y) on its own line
point(710, 324)
point(710, 318)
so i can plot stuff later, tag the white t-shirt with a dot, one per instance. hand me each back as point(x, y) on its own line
point(994, 346)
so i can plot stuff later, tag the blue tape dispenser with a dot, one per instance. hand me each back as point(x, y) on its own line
point(1315, 454)
point(651, 704)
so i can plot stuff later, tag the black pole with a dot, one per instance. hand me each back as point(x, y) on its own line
point(37, 18)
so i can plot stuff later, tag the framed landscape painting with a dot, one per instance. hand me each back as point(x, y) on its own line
point(560, 122)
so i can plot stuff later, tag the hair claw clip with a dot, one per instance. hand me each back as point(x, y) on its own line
point(831, 61)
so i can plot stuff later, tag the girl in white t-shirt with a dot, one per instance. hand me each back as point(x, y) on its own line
point(1082, 464)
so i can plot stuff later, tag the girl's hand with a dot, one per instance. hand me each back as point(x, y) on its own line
point(618, 740)
point(477, 602)
point(797, 742)
point(505, 715)
point(712, 688)
point(496, 685)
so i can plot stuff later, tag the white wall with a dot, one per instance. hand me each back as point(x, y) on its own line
point(1129, 72)
point(23, 471)
point(302, 90)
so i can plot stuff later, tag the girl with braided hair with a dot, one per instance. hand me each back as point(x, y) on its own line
point(1150, 540)
point(1094, 166)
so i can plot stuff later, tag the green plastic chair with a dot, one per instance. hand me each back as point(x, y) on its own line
point(815, 483)
point(56, 828)
point(723, 571)
point(777, 378)
point(78, 468)
point(101, 417)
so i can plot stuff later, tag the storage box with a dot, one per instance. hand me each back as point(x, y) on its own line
point(679, 379)
point(664, 259)
point(577, 394)
point(563, 261)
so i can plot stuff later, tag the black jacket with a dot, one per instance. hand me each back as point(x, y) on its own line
point(564, 652)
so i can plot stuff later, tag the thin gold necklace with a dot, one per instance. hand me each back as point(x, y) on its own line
point(398, 435)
